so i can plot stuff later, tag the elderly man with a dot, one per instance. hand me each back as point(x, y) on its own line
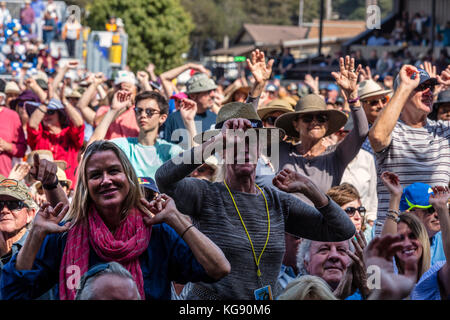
point(108, 281)
point(406, 142)
point(17, 210)
point(332, 261)
point(200, 88)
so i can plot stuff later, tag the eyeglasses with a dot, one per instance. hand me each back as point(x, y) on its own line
point(308, 118)
point(424, 86)
point(12, 205)
point(149, 112)
point(429, 210)
point(351, 211)
point(51, 112)
point(373, 103)
point(270, 120)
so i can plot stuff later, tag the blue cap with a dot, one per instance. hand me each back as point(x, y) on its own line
point(416, 195)
point(55, 104)
point(148, 183)
point(332, 87)
point(424, 77)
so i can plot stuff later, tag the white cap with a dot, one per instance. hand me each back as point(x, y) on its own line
point(125, 76)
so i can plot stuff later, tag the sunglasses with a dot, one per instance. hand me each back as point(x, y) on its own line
point(149, 112)
point(351, 211)
point(51, 112)
point(270, 120)
point(321, 118)
point(429, 210)
point(424, 86)
point(12, 205)
point(373, 103)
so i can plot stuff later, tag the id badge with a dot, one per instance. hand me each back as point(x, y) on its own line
point(264, 293)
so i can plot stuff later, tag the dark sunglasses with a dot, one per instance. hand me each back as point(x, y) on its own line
point(424, 86)
point(429, 210)
point(373, 103)
point(270, 120)
point(148, 112)
point(51, 112)
point(12, 205)
point(308, 118)
point(351, 211)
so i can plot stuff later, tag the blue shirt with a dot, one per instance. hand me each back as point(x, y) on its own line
point(167, 258)
point(428, 286)
point(174, 122)
point(437, 248)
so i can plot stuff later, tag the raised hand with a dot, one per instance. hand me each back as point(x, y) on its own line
point(47, 219)
point(188, 109)
point(359, 267)
point(121, 100)
point(388, 82)
point(439, 198)
point(347, 77)
point(150, 68)
point(43, 170)
point(19, 171)
point(288, 180)
point(392, 183)
point(313, 83)
point(163, 209)
point(98, 78)
point(379, 253)
point(366, 74)
point(72, 64)
point(444, 78)
point(409, 77)
point(142, 76)
point(258, 67)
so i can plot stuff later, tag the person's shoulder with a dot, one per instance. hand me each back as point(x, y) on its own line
point(124, 141)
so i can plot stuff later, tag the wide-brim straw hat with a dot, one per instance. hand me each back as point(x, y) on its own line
point(229, 97)
point(311, 103)
point(280, 105)
point(236, 110)
point(370, 88)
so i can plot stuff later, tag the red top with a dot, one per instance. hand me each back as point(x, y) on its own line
point(123, 126)
point(11, 131)
point(64, 146)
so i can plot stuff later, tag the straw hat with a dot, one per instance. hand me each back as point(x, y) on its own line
point(229, 97)
point(275, 105)
point(370, 88)
point(311, 103)
point(236, 110)
point(47, 155)
point(12, 87)
point(74, 94)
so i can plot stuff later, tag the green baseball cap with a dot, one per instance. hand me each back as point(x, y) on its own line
point(200, 82)
point(17, 190)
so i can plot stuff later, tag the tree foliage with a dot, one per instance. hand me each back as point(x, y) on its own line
point(158, 30)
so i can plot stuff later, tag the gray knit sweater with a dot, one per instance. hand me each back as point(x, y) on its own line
point(213, 212)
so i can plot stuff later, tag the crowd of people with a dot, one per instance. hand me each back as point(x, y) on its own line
point(143, 187)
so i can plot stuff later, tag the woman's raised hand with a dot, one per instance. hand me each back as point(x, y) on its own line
point(163, 209)
point(347, 77)
point(48, 218)
point(392, 183)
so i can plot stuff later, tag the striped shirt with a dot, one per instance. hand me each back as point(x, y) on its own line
point(415, 155)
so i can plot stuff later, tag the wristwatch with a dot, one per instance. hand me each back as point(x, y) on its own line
point(51, 186)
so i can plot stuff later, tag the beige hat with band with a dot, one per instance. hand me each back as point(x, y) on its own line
point(17, 190)
point(311, 103)
point(370, 88)
point(280, 105)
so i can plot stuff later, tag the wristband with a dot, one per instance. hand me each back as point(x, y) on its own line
point(394, 212)
point(182, 235)
point(392, 217)
point(351, 101)
point(51, 186)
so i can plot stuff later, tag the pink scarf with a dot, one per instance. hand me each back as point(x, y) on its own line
point(129, 241)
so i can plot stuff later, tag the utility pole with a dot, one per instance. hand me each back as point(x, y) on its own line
point(321, 26)
point(300, 12)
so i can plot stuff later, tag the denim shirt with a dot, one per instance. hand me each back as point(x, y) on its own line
point(167, 258)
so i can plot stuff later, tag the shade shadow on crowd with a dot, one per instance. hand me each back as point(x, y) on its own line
point(144, 187)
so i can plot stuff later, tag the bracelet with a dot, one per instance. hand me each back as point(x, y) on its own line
point(353, 100)
point(182, 235)
point(39, 108)
point(394, 212)
point(392, 217)
point(51, 186)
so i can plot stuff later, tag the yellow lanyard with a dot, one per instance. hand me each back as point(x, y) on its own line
point(258, 272)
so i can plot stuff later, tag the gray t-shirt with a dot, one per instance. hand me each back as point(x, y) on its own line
point(213, 212)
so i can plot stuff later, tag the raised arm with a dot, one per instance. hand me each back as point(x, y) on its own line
point(60, 76)
point(392, 183)
point(142, 77)
point(188, 110)
point(261, 71)
point(439, 199)
point(74, 115)
point(37, 116)
point(83, 104)
point(205, 251)
point(326, 222)
point(32, 85)
point(380, 133)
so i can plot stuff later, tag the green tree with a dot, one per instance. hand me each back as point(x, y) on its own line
point(158, 30)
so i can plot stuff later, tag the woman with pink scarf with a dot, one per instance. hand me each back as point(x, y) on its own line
point(109, 220)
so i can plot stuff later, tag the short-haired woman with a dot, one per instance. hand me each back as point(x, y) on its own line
point(108, 220)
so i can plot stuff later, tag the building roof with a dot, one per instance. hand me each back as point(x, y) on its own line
point(336, 28)
point(269, 34)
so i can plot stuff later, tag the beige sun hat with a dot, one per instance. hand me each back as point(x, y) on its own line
point(74, 94)
point(47, 155)
point(311, 103)
point(230, 96)
point(12, 87)
point(281, 105)
point(370, 88)
point(236, 110)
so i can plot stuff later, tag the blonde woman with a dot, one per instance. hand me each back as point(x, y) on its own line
point(110, 221)
point(307, 288)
